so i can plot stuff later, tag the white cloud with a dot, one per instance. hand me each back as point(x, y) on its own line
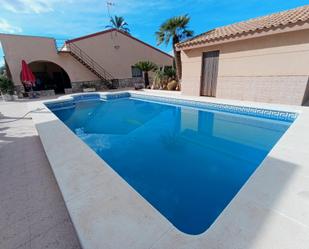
point(6, 27)
point(28, 6)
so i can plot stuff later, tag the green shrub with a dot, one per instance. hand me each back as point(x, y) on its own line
point(6, 85)
point(170, 72)
point(159, 78)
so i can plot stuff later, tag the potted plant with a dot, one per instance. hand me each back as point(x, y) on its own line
point(7, 89)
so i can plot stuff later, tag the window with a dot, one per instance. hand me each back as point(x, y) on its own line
point(136, 72)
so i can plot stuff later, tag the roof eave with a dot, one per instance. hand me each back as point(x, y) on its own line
point(244, 36)
point(121, 32)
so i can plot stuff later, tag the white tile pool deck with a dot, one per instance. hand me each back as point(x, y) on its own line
point(32, 212)
point(271, 211)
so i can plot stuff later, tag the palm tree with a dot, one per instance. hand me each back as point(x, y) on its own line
point(174, 28)
point(118, 22)
point(146, 66)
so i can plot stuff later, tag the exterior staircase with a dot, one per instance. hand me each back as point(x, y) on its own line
point(91, 64)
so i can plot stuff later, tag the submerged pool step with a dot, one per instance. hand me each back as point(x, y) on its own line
point(55, 106)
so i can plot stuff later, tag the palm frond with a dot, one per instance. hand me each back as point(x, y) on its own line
point(174, 28)
point(160, 37)
point(119, 23)
point(146, 66)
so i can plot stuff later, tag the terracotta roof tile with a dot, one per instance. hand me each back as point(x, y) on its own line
point(272, 21)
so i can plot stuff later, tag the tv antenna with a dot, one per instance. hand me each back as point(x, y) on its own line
point(109, 5)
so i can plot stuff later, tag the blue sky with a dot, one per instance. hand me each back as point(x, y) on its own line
point(65, 19)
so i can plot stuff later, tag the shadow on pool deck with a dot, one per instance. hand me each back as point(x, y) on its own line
point(261, 212)
point(32, 211)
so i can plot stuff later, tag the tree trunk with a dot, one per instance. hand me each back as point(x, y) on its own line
point(177, 56)
point(146, 79)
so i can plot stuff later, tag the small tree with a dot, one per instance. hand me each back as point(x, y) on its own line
point(118, 22)
point(146, 66)
point(6, 85)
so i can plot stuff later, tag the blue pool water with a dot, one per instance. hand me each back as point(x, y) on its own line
point(187, 163)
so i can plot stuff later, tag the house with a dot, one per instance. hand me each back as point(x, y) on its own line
point(263, 59)
point(102, 59)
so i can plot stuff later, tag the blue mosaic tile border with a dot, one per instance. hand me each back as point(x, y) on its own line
point(244, 110)
point(250, 111)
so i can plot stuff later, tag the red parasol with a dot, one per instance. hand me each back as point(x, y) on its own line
point(27, 76)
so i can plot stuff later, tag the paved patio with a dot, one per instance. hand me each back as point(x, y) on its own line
point(32, 211)
point(270, 211)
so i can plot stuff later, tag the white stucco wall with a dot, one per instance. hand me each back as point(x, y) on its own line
point(117, 52)
point(114, 51)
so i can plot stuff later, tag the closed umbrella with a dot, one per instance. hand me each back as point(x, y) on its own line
point(27, 76)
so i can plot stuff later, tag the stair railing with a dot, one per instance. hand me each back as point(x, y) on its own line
point(79, 53)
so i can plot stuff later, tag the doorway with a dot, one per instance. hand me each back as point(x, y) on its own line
point(49, 76)
point(209, 77)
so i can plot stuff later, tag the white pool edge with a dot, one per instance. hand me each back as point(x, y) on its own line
point(108, 213)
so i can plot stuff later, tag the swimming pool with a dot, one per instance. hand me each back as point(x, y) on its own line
point(188, 162)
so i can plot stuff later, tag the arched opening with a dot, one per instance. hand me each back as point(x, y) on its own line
point(49, 76)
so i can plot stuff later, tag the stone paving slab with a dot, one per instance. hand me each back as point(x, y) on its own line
point(32, 211)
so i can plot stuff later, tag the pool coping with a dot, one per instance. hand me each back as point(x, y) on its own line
point(270, 209)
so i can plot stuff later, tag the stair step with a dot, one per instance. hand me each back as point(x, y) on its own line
point(91, 68)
